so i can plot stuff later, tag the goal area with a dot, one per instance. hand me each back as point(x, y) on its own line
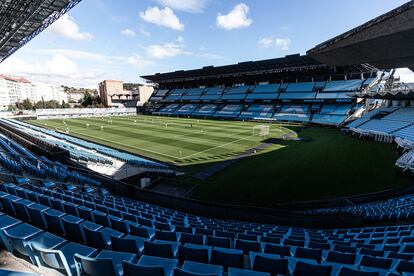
point(261, 130)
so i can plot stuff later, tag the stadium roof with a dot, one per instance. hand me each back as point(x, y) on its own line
point(385, 42)
point(22, 20)
point(291, 63)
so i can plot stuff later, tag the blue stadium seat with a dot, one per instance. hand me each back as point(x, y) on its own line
point(281, 250)
point(130, 245)
point(167, 264)
point(375, 262)
point(308, 253)
point(303, 268)
point(192, 238)
point(93, 266)
point(202, 269)
point(164, 250)
point(346, 271)
point(195, 253)
point(341, 258)
point(219, 241)
point(247, 246)
point(227, 257)
point(62, 258)
point(244, 272)
point(131, 269)
point(140, 231)
point(272, 264)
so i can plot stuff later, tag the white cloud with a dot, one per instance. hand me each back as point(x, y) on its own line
point(61, 67)
point(280, 43)
point(283, 43)
point(128, 32)
point(143, 31)
point(138, 61)
point(162, 17)
point(180, 39)
point(265, 42)
point(193, 6)
point(67, 27)
point(405, 74)
point(235, 19)
point(166, 50)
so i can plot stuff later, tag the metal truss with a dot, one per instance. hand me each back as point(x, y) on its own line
point(22, 20)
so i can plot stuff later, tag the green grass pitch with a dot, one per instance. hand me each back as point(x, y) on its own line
point(181, 141)
point(328, 165)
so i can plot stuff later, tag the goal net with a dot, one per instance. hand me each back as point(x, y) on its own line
point(261, 130)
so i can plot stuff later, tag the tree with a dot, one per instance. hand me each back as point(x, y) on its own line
point(90, 100)
point(11, 107)
point(25, 104)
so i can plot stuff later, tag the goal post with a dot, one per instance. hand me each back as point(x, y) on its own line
point(261, 130)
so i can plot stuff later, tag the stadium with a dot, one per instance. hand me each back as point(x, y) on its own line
point(296, 165)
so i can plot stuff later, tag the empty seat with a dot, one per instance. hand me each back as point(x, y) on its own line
point(62, 259)
point(163, 250)
point(129, 245)
point(346, 271)
point(341, 258)
point(119, 225)
point(200, 269)
point(371, 252)
point(308, 253)
point(150, 261)
point(131, 269)
point(302, 268)
point(166, 236)
point(227, 257)
point(191, 238)
point(244, 272)
point(405, 267)
point(247, 246)
point(268, 263)
point(182, 272)
point(375, 262)
point(141, 231)
point(92, 266)
point(219, 242)
point(346, 249)
point(193, 253)
point(293, 242)
point(280, 250)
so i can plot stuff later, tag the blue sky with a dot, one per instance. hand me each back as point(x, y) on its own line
point(123, 39)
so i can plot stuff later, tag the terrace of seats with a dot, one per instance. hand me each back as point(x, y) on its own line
point(394, 121)
point(48, 222)
point(332, 113)
point(43, 223)
point(122, 156)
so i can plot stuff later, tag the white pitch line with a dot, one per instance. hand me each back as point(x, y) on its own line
point(218, 146)
point(129, 146)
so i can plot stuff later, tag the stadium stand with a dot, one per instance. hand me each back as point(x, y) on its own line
point(83, 112)
point(106, 151)
point(78, 232)
point(336, 100)
point(386, 121)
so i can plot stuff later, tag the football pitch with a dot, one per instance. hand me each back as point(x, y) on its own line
point(325, 164)
point(178, 140)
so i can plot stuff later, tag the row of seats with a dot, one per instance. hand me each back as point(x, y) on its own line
point(332, 114)
point(300, 90)
point(160, 250)
point(393, 121)
point(123, 156)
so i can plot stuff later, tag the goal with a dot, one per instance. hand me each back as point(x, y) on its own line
point(261, 130)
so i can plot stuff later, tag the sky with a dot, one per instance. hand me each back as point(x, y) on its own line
point(125, 39)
